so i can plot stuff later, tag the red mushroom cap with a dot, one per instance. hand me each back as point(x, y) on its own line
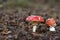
point(29, 18)
point(50, 22)
point(35, 18)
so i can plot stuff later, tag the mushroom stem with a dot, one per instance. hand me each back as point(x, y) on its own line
point(52, 29)
point(34, 28)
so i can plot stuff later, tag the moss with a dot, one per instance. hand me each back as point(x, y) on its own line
point(20, 3)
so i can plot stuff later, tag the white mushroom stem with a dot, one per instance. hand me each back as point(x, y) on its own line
point(34, 28)
point(52, 29)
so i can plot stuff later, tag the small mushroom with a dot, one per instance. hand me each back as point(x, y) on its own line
point(35, 20)
point(51, 23)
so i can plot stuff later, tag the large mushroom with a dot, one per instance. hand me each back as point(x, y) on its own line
point(51, 23)
point(35, 20)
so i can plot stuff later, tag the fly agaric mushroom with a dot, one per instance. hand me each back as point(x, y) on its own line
point(35, 20)
point(51, 23)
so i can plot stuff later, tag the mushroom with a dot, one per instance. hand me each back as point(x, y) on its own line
point(35, 20)
point(51, 23)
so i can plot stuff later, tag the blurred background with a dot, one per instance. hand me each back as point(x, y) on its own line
point(13, 13)
point(38, 7)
